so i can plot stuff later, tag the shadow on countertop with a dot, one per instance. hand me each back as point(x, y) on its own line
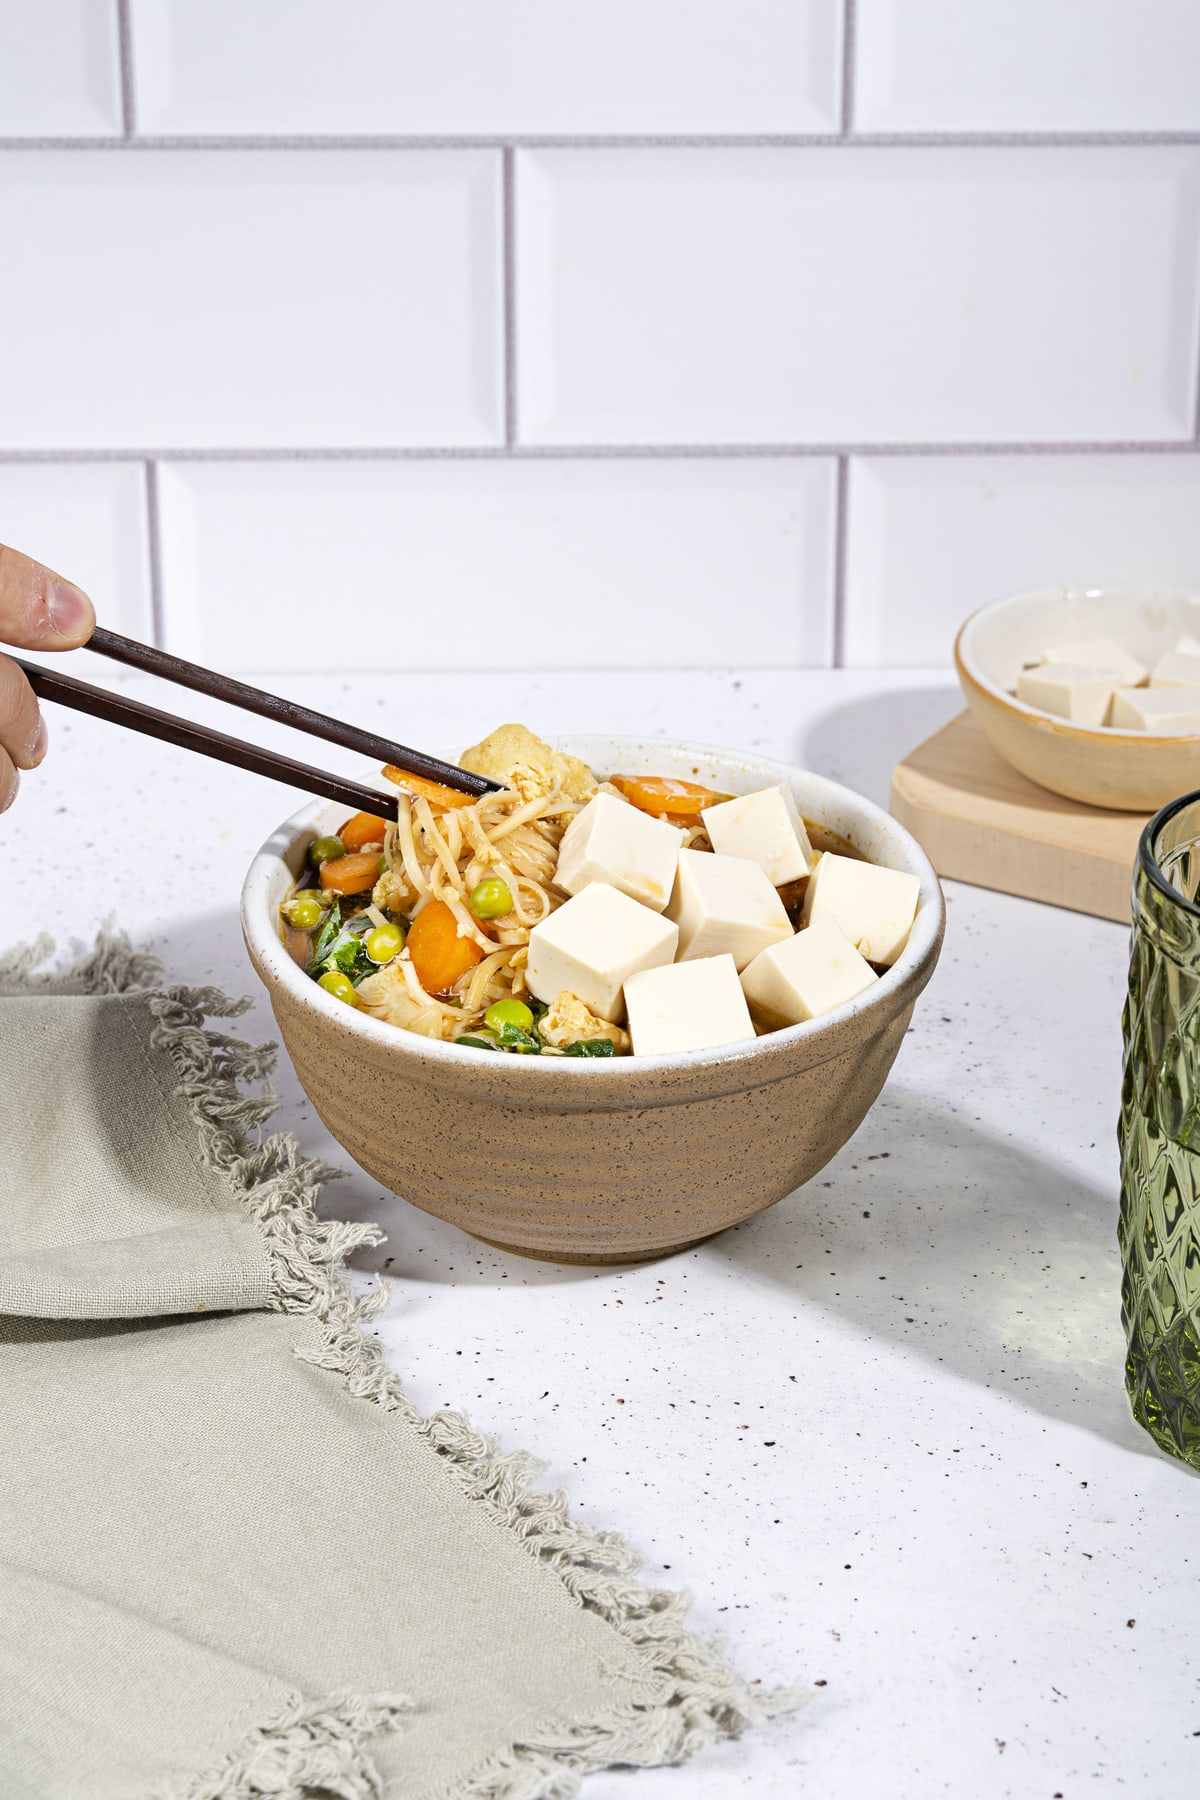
point(860, 743)
point(962, 1247)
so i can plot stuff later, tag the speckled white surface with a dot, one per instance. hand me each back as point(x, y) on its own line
point(879, 1431)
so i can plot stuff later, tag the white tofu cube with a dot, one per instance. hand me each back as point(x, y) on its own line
point(1165, 711)
point(816, 970)
point(767, 828)
point(1180, 667)
point(875, 907)
point(1068, 691)
point(687, 1006)
point(612, 841)
point(593, 944)
point(1100, 653)
point(725, 904)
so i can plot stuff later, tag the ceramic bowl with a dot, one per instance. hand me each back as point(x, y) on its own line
point(585, 1161)
point(1103, 765)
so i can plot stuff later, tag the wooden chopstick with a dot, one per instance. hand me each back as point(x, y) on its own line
point(48, 684)
point(286, 712)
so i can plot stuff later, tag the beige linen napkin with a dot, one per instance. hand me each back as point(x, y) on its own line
point(234, 1561)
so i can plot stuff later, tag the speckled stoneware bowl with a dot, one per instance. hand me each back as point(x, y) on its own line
point(1103, 765)
point(604, 1162)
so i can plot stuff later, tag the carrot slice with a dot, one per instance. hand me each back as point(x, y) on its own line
point(441, 799)
point(665, 797)
point(438, 954)
point(364, 828)
point(351, 874)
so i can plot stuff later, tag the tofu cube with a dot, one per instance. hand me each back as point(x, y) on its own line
point(1180, 667)
point(1069, 691)
point(1165, 711)
point(593, 944)
point(767, 828)
point(687, 1006)
point(816, 970)
point(725, 904)
point(612, 841)
point(1100, 653)
point(875, 907)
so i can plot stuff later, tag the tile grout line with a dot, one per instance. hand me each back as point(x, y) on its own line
point(509, 301)
point(158, 616)
point(128, 89)
point(849, 41)
point(879, 140)
point(595, 452)
point(840, 526)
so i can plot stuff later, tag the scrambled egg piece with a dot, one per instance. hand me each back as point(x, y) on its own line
point(386, 996)
point(393, 891)
point(569, 1020)
point(514, 755)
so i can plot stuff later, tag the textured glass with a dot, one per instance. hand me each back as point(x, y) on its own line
point(1160, 1136)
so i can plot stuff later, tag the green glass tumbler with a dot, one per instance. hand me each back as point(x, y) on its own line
point(1159, 1134)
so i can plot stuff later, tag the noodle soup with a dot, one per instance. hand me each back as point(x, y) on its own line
point(428, 923)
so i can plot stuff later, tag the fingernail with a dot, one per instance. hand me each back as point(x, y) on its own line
point(39, 745)
point(70, 610)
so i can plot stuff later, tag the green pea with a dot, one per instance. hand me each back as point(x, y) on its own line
point(383, 943)
point(325, 849)
point(303, 912)
point(339, 985)
point(491, 899)
point(509, 1012)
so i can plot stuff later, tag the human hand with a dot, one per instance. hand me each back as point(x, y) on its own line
point(38, 611)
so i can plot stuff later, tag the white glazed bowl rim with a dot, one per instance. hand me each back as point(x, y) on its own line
point(260, 929)
point(970, 668)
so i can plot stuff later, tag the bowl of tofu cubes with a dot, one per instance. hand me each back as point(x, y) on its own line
point(755, 993)
point(1093, 693)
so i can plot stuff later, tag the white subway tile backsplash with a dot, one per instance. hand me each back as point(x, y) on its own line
point(59, 69)
point(267, 298)
point(491, 564)
point(857, 295)
point(473, 67)
point(1027, 65)
point(931, 538)
point(87, 521)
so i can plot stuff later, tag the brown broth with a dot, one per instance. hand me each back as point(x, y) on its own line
point(298, 945)
point(830, 842)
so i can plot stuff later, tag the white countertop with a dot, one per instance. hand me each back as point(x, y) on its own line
point(879, 1431)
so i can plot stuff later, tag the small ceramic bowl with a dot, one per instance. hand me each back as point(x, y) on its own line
point(1103, 765)
point(599, 1162)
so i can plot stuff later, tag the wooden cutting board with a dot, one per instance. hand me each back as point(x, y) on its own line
point(979, 821)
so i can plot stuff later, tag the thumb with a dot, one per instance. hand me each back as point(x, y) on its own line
point(38, 609)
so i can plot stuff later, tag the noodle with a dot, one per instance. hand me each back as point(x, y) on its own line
point(444, 856)
point(413, 872)
point(477, 995)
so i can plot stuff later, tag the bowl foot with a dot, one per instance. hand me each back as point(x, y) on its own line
point(610, 1261)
